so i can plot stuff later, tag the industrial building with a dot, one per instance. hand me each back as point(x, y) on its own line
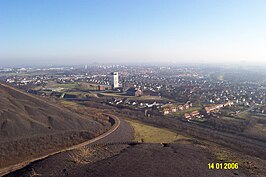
point(115, 80)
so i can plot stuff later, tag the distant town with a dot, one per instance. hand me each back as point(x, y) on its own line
point(191, 93)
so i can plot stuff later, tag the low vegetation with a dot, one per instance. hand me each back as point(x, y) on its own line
point(80, 155)
point(151, 134)
point(69, 103)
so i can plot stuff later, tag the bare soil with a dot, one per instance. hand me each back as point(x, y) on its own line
point(31, 126)
point(153, 160)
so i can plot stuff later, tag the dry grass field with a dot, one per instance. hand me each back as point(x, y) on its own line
point(150, 134)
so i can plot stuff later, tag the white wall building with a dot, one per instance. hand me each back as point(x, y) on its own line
point(114, 80)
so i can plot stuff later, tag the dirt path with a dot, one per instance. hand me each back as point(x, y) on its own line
point(100, 138)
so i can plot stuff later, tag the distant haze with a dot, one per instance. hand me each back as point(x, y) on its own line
point(78, 31)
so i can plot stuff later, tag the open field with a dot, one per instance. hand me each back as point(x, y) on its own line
point(121, 95)
point(149, 98)
point(69, 104)
point(53, 84)
point(151, 134)
point(244, 115)
point(78, 94)
point(74, 85)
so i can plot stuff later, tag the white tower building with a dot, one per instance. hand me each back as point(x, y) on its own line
point(115, 80)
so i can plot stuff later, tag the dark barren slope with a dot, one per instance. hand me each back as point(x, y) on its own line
point(24, 115)
point(151, 160)
point(154, 160)
point(30, 126)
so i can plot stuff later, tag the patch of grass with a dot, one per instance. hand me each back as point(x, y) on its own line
point(114, 95)
point(201, 120)
point(143, 98)
point(80, 155)
point(76, 93)
point(222, 155)
point(69, 103)
point(33, 173)
point(228, 118)
point(37, 88)
point(150, 134)
point(53, 84)
point(244, 115)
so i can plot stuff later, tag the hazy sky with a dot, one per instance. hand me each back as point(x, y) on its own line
point(85, 31)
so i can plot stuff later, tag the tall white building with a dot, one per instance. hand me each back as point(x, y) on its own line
point(115, 79)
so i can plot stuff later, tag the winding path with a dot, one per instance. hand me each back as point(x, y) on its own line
point(120, 131)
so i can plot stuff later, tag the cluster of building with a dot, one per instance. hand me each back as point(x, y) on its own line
point(208, 110)
point(259, 110)
point(178, 84)
point(194, 114)
point(22, 81)
point(172, 108)
point(138, 104)
point(216, 108)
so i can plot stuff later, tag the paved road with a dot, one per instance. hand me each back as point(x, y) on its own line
point(123, 133)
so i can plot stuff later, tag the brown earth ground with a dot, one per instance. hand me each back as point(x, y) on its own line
point(136, 160)
point(31, 126)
